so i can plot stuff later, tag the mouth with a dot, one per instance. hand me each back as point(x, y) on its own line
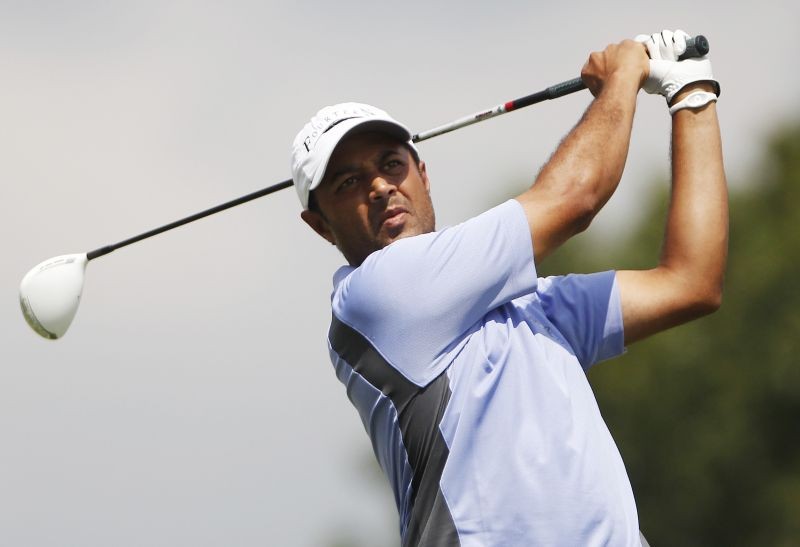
point(393, 218)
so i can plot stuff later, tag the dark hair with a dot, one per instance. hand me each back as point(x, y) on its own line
point(413, 152)
point(313, 206)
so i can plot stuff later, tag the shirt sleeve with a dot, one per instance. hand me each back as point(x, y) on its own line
point(587, 311)
point(414, 299)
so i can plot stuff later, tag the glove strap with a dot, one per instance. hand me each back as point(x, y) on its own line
point(696, 99)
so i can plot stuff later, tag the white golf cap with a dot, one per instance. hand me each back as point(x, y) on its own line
point(314, 144)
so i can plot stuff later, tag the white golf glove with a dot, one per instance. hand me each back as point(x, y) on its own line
point(667, 74)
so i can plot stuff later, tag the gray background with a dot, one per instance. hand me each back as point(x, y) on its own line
point(192, 401)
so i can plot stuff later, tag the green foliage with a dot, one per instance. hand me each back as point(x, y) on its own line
point(707, 415)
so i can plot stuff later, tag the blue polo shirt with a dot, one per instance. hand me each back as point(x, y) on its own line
point(469, 375)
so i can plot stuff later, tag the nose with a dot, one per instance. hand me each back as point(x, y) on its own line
point(381, 189)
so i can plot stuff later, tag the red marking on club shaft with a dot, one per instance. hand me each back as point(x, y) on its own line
point(509, 106)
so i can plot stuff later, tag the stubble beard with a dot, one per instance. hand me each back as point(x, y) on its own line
point(424, 221)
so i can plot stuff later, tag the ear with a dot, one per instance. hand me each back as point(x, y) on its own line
point(319, 225)
point(423, 172)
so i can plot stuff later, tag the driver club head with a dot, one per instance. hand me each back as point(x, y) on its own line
point(50, 293)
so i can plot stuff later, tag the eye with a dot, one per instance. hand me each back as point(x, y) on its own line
point(346, 183)
point(393, 163)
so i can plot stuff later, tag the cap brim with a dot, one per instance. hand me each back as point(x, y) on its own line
point(330, 140)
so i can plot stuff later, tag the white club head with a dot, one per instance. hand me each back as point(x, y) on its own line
point(49, 294)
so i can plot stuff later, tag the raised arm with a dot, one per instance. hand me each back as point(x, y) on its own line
point(687, 283)
point(584, 171)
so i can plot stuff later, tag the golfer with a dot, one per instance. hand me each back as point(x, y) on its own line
point(468, 371)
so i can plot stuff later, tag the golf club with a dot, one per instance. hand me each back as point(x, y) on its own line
point(50, 292)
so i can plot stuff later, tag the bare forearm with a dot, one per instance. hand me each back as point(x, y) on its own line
point(586, 168)
point(696, 240)
point(687, 283)
point(593, 155)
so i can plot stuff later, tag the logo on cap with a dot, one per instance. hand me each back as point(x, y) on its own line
point(329, 117)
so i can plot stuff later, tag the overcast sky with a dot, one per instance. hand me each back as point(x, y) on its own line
point(193, 402)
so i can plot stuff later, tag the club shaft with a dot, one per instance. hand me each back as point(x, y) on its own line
point(552, 92)
point(197, 216)
point(696, 47)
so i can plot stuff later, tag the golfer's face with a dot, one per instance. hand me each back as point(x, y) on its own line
point(373, 194)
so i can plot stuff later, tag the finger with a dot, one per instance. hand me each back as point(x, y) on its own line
point(667, 52)
point(643, 39)
point(679, 40)
point(652, 46)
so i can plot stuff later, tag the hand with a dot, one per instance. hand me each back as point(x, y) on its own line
point(667, 75)
point(627, 59)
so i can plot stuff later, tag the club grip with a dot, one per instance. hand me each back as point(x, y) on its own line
point(565, 88)
point(696, 46)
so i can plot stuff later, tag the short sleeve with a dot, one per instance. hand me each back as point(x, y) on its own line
point(414, 299)
point(586, 310)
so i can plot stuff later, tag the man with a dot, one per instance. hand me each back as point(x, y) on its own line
point(468, 372)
